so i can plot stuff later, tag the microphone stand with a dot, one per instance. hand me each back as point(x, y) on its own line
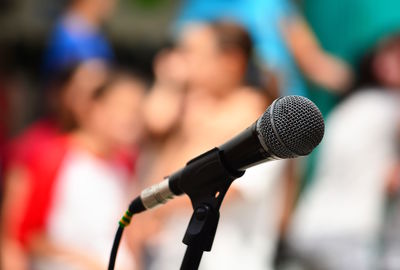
point(214, 180)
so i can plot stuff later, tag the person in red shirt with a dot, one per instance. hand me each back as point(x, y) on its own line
point(83, 201)
point(32, 159)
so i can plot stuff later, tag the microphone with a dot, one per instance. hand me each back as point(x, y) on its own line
point(291, 126)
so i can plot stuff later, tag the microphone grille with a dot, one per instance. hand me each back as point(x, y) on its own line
point(292, 126)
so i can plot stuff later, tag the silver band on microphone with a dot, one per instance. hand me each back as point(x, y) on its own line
point(157, 194)
point(263, 143)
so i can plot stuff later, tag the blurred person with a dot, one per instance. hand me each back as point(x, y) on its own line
point(338, 220)
point(204, 77)
point(189, 73)
point(78, 37)
point(283, 41)
point(348, 29)
point(91, 186)
point(32, 158)
point(167, 97)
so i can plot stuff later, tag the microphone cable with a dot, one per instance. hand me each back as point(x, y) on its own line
point(135, 207)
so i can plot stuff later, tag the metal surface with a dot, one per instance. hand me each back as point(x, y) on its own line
point(157, 194)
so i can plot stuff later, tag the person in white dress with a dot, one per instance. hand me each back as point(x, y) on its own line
point(337, 224)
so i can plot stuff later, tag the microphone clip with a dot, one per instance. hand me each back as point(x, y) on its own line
point(209, 181)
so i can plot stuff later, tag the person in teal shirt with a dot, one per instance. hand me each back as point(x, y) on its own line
point(348, 29)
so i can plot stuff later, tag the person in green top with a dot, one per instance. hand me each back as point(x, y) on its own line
point(348, 29)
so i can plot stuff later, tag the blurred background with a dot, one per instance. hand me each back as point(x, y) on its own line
point(101, 98)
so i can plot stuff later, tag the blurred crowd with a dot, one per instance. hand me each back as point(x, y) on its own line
point(104, 129)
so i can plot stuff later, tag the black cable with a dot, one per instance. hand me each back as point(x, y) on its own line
point(136, 206)
point(115, 246)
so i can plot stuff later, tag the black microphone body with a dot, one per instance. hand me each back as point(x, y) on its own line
point(292, 126)
point(245, 150)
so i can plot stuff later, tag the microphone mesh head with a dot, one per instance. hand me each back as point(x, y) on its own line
point(292, 126)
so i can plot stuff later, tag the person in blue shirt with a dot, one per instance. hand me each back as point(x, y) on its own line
point(77, 36)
